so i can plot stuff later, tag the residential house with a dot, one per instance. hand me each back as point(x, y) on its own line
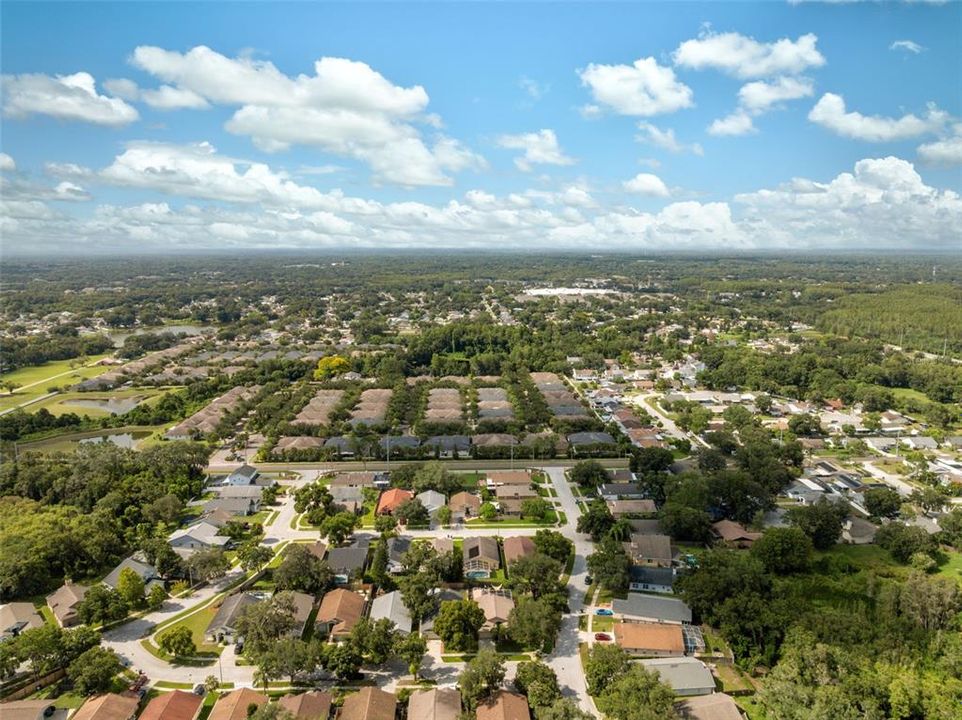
point(620, 491)
point(651, 608)
point(233, 505)
point(442, 545)
point(687, 676)
point(148, 574)
point(347, 563)
point(355, 479)
point(313, 705)
point(197, 536)
point(464, 505)
point(491, 441)
point(175, 705)
point(507, 477)
point(223, 626)
point(511, 497)
point(318, 549)
point(339, 612)
point(651, 579)
point(64, 601)
point(623, 508)
point(504, 705)
point(218, 518)
point(391, 499)
point(443, 595)
point(369, 703)
point(481, 556)
point(109, 706)
point(350, 498)
point(497, 606)
point(588, 442)
point(857, 531)
point(303, 606)
point(396, 548)
point(516, 548)
point(244, 475)
point(646, 526)
point(448, 446)
point(435, 704)
point(718, 706)
point(650, 550)
point(234, 705)
point(432, 501)
point(399, 445)
point(16, 617)
point(28, 709)
point(650, 639)
point(391, 606)
point(733, 534)
point(242, 492)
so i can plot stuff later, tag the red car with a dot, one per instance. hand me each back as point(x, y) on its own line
point(602, 637)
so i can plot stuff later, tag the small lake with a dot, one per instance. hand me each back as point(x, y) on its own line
point(110, 405)
point(124, 440)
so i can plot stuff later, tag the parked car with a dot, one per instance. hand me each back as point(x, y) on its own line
point(588, 580)
point(604, 611)
point(200, 690)
point(602, 637)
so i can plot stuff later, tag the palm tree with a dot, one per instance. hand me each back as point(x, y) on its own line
point(621, 530)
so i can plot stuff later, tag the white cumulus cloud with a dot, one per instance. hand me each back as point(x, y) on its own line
point(66, 97)
point(6, 163)
point(540, 148)
point(646, 184)
point(665, 139)
point(947, 151)
point(738, 123)
point(745, 57)
point(642, 89)
point(830, 112)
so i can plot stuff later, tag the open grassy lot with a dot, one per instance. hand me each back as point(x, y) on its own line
point(197, 623)
point(35, 380)
point(953, 567)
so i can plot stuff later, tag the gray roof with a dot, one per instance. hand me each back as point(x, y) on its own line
point(652, 575)
point(653, 607)
point(145, 571)
point(685, 675)
point(431, 499)
point(347, 559)
point(449, 442)
point(591, 438)
point(392, 607)
point(397, 546)
point(230, 610)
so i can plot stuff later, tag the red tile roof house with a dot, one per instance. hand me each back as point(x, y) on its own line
point(391, 499)
point(504, 706)
point(176, 705)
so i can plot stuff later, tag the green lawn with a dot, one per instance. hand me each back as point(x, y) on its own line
point(602, 623)
point(197, 623)
point(953, 567)
point(35, 380)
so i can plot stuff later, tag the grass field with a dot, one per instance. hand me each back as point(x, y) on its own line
point(952, 568)
point(197, 623)
point(35, 380)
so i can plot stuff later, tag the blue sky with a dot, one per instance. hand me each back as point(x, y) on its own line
point(572, 125)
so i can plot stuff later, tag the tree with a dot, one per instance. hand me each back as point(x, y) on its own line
point(563, 709)
point(94, 670)
point(488, 511)
point(130, 585)
point(263, 623)
point(177, 641)
point(903, 541)
point(805, 425)
point(412, 512)
point(156, 597)
point(339, 527)
point(651, 461)
point(821, 521)
point(417, 591)
point(458, 623)
point(536, 574)
point(102, 605)
point(610, 565)
point(444, 515)
point(288, 657)
point(534, 623)
point(166, 509)
point(604, 663)
point(930, 602)
point(411, 648)
point(385, 524)
point(252, 555)
point(596, 521)
point(882, 502)
point(435, 476)
point(638, 695)
point(589, 474)
point(374, 639)
point(684, 522)
point(343, 660)
point(331, 366)
point(314, 501)
point(783, 550)
point(535, 508)
point(208, 564)
point(930, 498)
point(302, 570)
point(539, 683)
point(481, 678)
point(211, 683)
point(553, 544)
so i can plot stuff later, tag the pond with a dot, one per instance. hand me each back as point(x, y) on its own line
point(124, 440)
point(118, 405)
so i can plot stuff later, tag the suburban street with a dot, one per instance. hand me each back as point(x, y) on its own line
point(564, 660)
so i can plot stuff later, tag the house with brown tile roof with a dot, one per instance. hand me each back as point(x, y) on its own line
point(64, 601)
point(481, 556)
point(464, 505)
point(517, 547)
point(17, 617)
point(508, 477)
point(650, 550)
point(731, 533)
point(233, 705)
point(110, 706)
point(318, 549)
point(369, 703)
point(176, 705)
point(650, 639)
point(339, 612)
point(717, 706)
point(312, 705)
point(504, 706)
point(435, 704)
point(497, 606)
point(391, 499)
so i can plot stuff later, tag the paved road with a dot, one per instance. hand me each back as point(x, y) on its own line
point(565, 659)
point(649, 403)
